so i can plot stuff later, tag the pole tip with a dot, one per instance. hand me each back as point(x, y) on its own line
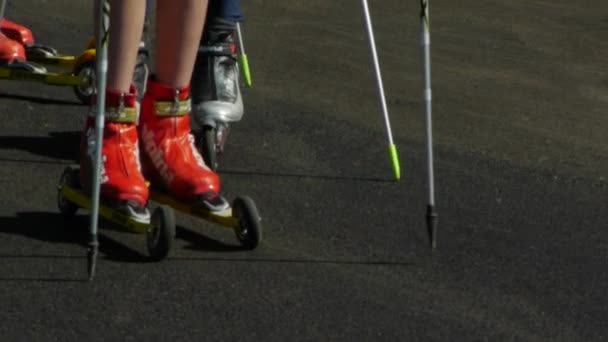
point(431, 225)
point(92, 259)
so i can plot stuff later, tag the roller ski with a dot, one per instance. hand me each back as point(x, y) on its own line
point(178, 173)
point(21, 59)
point(161, 150)
point(160, 228)
point(242, 217)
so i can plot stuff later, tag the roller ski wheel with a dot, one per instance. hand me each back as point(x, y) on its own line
point(86, 71)
point(249, 229)
point(211, 144)
point(208, 147)
point(161, 232)
point(69, 177)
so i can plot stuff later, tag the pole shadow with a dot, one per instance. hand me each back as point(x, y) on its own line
point(305, 176)
point(66, 146)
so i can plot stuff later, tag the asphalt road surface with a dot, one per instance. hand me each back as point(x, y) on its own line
point(520, 94)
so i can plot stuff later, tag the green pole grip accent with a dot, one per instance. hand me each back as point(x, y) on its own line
point(395, 160)
point(245, 68)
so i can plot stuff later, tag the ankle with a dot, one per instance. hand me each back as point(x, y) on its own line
point(121, 107)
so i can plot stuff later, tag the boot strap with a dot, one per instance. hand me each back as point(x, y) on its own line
point(118, 114)
point(173, 108)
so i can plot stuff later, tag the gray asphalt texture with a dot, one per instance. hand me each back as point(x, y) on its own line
point(520, 103)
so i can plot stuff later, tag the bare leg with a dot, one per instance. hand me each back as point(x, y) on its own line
point(179, 24)
point(126, 25)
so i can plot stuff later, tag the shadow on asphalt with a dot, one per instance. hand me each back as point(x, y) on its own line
point(53, 228)
point(40, 100)
point(65, 146)
point(301, 261)
point(84, 279)
point(201, 242)
point(306, 176)
point(47, 227)
point(58, 145)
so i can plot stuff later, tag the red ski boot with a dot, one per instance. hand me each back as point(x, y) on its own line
point(23, 35)
point(10, 50)
point(169, 156)
point(18, 33)
point(122, 183)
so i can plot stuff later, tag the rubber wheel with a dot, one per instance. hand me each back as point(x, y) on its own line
point(70, 177)
point(161, 232)
point(87, 71)
point(208, 147)
point(249, 228)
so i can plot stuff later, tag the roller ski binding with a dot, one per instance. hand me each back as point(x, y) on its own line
point(216, 93)
point(179, 176)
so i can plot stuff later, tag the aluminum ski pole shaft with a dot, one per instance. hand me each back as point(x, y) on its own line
point(243, 58)
point(372, 42)
point(101, 41)
point(431, 214)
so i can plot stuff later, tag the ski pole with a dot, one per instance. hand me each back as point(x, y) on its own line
point(431, 214)
point(2, 10)
point(243, 58)
point(391, 145)
point(101, 30)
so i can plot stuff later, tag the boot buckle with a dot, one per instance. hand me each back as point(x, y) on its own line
point(175, 106)
point(121, 104)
